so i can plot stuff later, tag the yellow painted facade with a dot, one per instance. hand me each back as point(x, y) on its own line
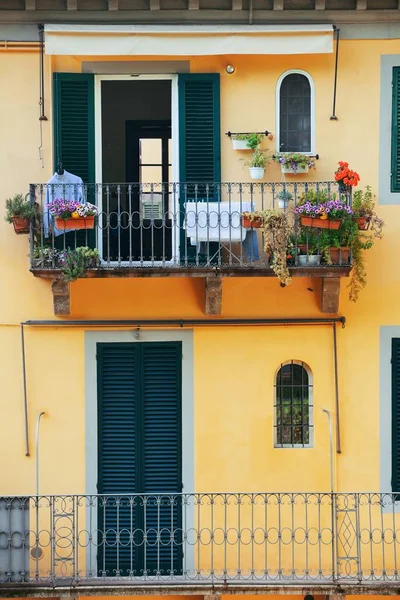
point(234, 368)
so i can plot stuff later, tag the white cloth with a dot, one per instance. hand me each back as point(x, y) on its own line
point(215, 221)
point(66, 186)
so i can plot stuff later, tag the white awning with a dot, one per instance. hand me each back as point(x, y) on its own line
point(139, 40)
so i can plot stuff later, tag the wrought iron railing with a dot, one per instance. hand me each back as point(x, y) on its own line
point(228, 538)
point(178, 225)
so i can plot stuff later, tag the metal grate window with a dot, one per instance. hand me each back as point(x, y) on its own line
point(293, 405)
point(295, 114)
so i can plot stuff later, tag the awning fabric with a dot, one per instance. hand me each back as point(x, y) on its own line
point(139, 40)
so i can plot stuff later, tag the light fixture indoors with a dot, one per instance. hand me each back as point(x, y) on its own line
point(230, 69)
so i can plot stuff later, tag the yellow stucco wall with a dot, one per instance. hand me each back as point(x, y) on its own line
point(233, 387)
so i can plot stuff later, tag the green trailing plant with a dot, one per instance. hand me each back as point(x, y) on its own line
point(277, 231)
point(75, 262)
point(17, 206)
point(358, 276)
point(259, 159)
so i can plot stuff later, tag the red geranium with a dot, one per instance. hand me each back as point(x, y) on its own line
point(346, 175)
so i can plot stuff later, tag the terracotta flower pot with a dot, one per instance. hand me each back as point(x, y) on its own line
point(320, 223)
point(340, 256)
point(79, 223)
point(362, 222)
point(21, 225)
point(255, 223)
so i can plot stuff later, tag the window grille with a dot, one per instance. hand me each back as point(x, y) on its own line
point(293, 406)
point(295, 114)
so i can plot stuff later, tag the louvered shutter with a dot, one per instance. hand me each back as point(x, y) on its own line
point(140, 451)
point(396, 415)
point(74, 123)
point(162, 455)
point(395, 166)
point(74, 140)
point(199, 128)
point(118, 452)
point(199, 147)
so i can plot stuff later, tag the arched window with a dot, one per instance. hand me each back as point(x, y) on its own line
point(293, 405)
point(295, 112)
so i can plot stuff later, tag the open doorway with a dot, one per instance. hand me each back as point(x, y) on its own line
point(136, 167)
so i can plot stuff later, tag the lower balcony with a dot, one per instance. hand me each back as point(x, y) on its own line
point(319, 542)
point(196, 229)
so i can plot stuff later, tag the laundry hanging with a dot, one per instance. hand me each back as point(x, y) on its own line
point(66, 186)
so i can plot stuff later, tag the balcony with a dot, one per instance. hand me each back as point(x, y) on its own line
point(318, 542)
point(178, 229)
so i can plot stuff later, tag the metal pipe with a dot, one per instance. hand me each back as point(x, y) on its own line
point(37, 450)
point(335, 359)
point(334, 117)
point(183, 322)
point(330, 446)
point(25, 392)
point(41, 97)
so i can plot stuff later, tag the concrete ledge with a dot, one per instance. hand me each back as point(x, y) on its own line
point(187, 589)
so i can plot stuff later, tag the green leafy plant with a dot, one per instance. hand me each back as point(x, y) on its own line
point(17, 206)
point(75, 262)
point(364, 206)
point(253, 139)
point(259, 159)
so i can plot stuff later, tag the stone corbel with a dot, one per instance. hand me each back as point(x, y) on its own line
point(213, 293)
point(330, 295)
point(61, 297)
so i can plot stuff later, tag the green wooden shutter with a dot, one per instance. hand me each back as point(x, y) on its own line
point(199, 128)
point(395, 166)
point(199, 148)
point(162, 454)
point(140, 451)
point(396, 415)
point(117, 372)
point(74, 123)
point(74, 141)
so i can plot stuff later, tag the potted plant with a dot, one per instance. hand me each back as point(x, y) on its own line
point(284, 197)
point(294, 162)
point(257, 163)
point(251, 220)
point(70, 214)
point(363, 205)
point(324, 215)
point(75, 262)
point(346, 178)
point(247, 141)
point(310, 258)
point(19, 212)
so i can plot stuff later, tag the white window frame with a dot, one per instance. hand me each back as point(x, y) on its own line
point(175, 154)
point(278, 108)
point(310, 406)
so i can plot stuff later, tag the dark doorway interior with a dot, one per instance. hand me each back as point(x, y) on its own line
point(137, 153)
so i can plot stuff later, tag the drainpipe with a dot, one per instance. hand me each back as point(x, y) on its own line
point(37, 450)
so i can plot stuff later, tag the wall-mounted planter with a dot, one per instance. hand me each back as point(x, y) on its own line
point(320, 223)
point(291, 171)
point(257, 172)
point(240, 144)
point(254, 223)
point(21, 225)
point(79, 223)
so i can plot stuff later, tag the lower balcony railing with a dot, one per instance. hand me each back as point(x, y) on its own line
point(180, 226)
point(201, 538)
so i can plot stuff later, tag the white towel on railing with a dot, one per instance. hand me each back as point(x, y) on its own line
point(215, 221)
